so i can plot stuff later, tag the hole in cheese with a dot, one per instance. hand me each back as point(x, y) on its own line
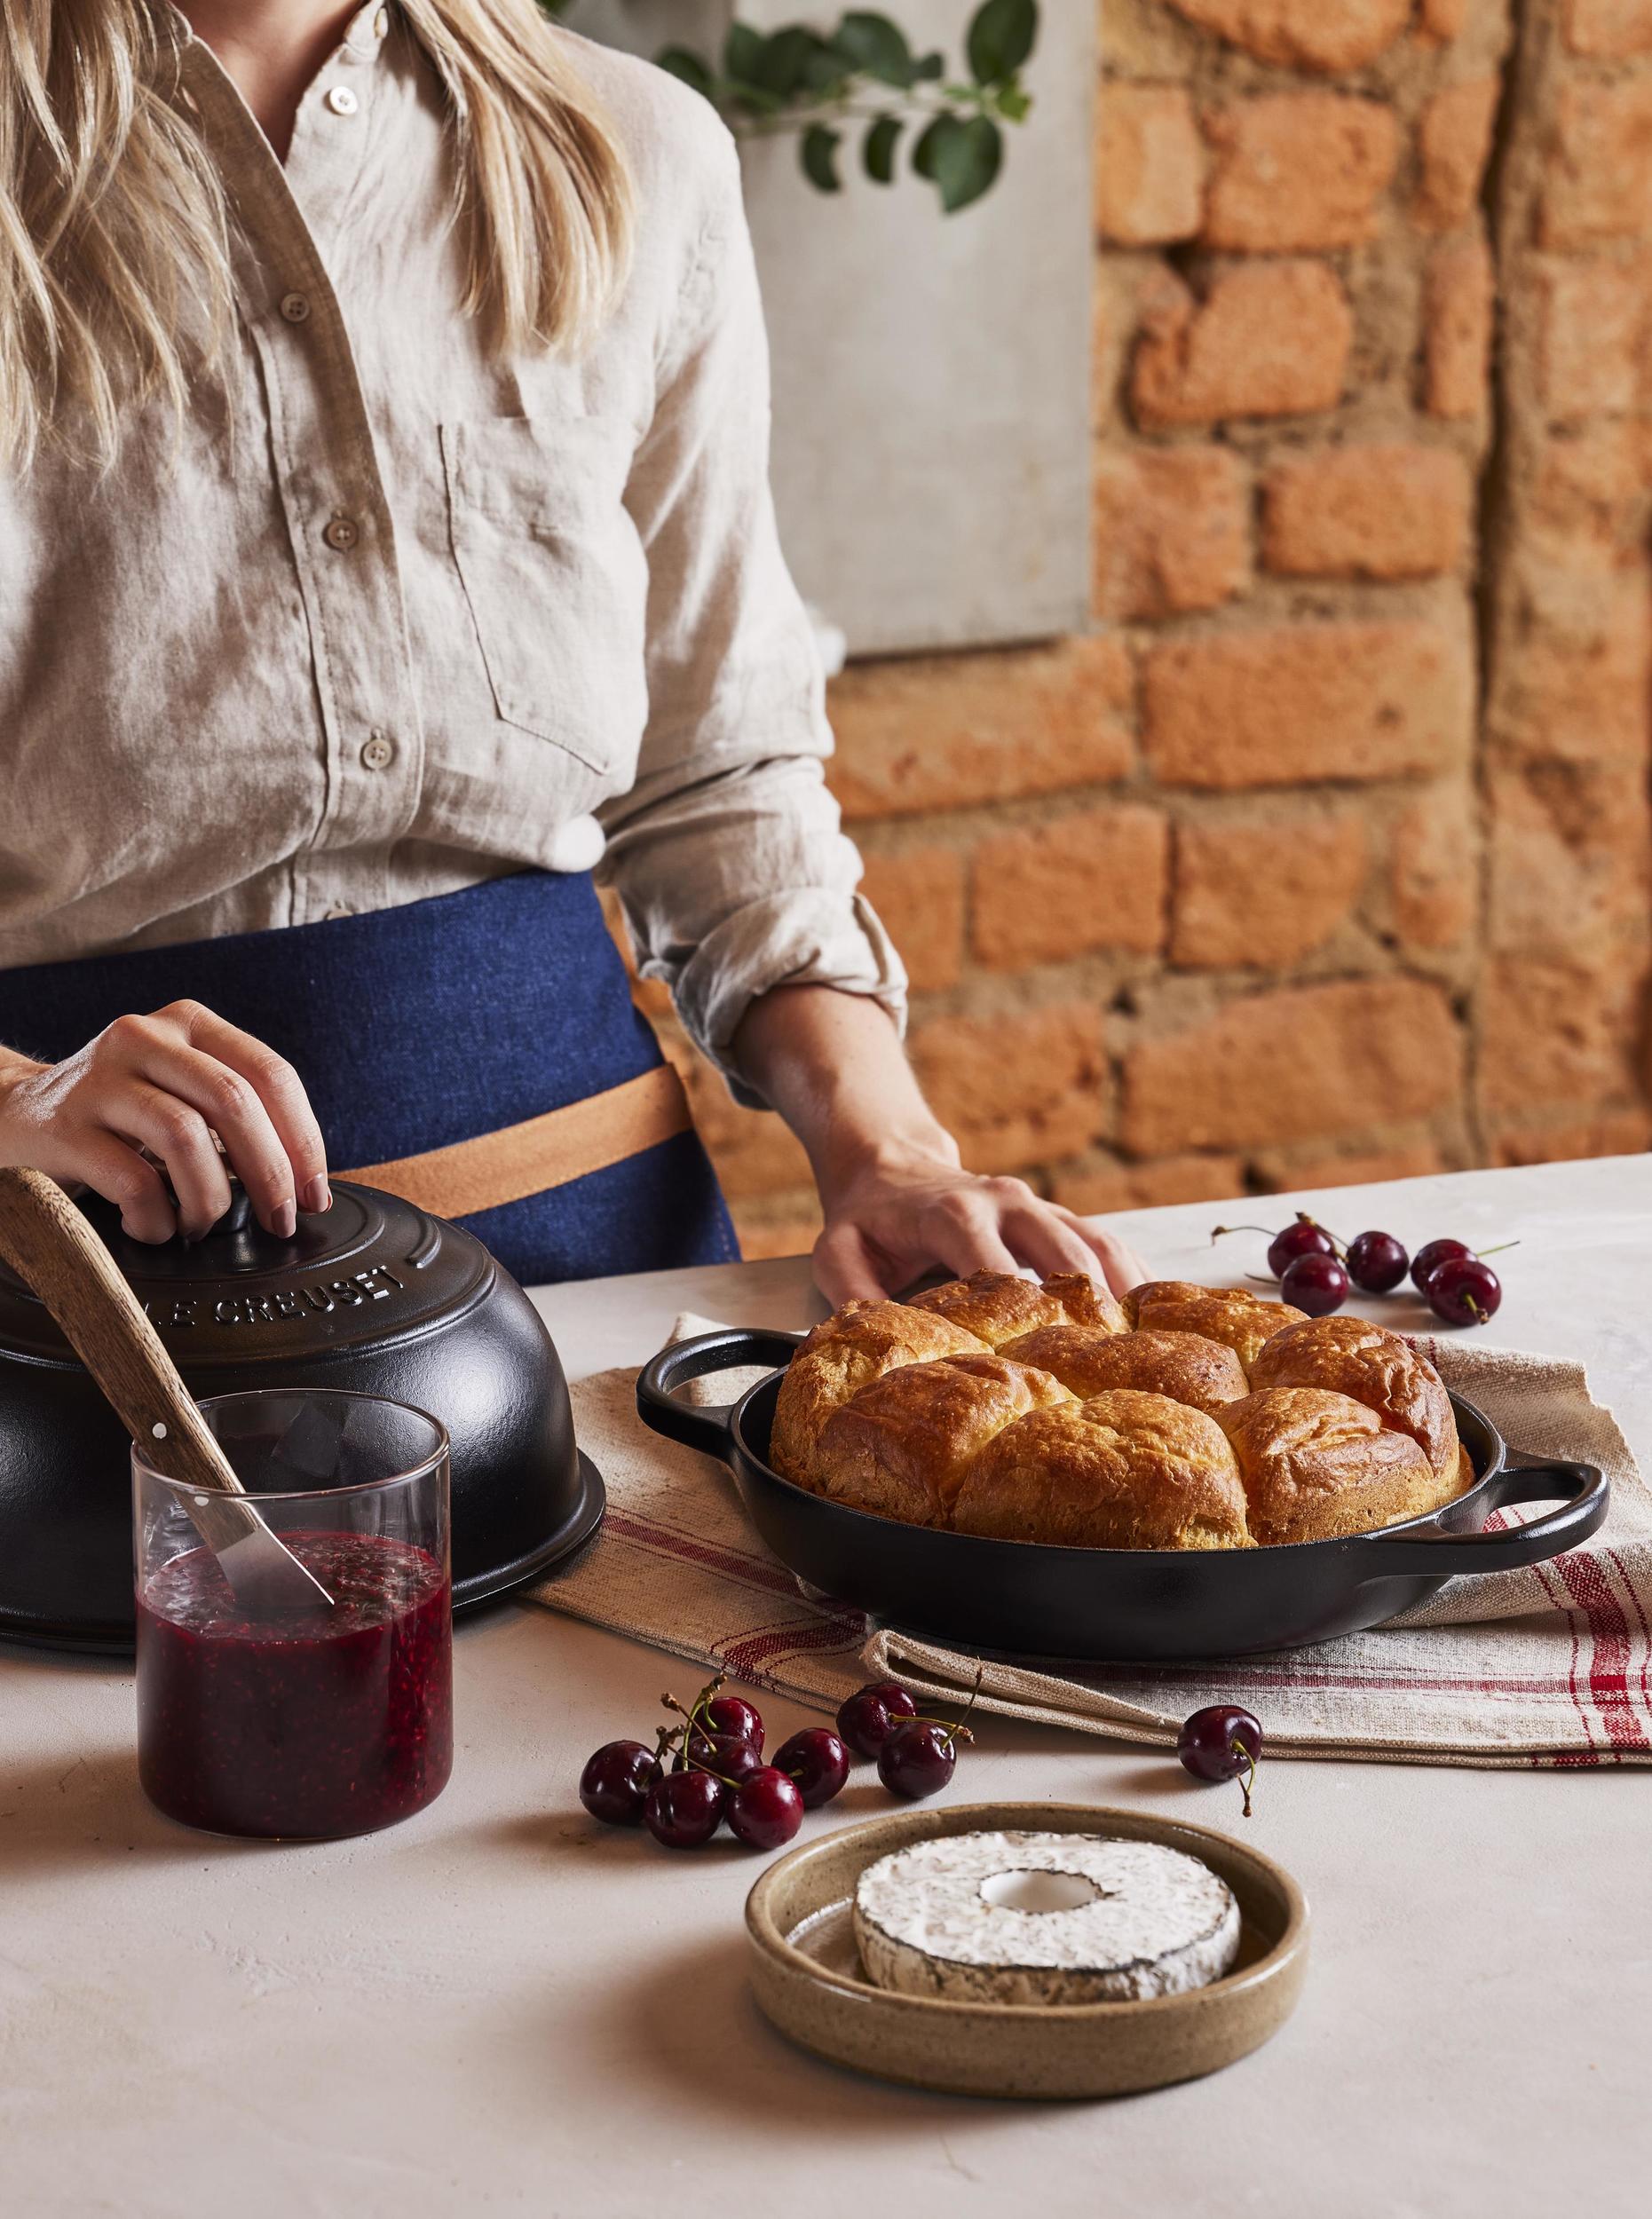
point(1042, 1890)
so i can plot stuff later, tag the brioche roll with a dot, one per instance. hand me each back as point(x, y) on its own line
point(1047, 1413)
point(1376, 1367)
point(843, 1354)
point(1205, 1374)
point(1242, 1322)
point(1123, 1470)
point(998, 1305)
point(903, 1446)
point(1317, 1464)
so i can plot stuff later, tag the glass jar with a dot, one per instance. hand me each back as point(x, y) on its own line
point(313, 1722)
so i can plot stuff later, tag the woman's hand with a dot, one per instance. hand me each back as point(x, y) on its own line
point(165, 1084)
point(896, 1201)
point(902, 1212)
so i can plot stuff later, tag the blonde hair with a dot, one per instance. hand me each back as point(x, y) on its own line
point(114, 226)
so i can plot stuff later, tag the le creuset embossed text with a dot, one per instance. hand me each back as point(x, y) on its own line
point(377, 1296)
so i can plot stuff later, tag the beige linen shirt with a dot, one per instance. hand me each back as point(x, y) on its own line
point(397, 615)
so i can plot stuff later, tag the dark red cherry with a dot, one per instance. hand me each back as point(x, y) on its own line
point(867, 1718)
point(1376, 1262)
point(814, 1758)
point(918, 1759)
point(733, 1716)
point(615, 1782)
point(1463, 1291)
point(722, 1754)
point(1304, 1238)
point(766, 1810)
point(684, 1809)
point(1429, 1258)
point(1317, 1283)
point(1219, 1743)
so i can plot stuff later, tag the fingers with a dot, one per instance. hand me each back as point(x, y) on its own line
point(961, 1231)
point(887, 1237)
point(1044, 1239)
point(171, 1130)
point(119, 1174)
point(217, 1096)
point(1121, 1267)
point(843, 1266)
point(296, 1172)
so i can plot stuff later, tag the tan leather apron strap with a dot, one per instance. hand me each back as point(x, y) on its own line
point(542, 1152)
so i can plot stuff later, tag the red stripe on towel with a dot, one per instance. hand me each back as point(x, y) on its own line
point(1584, 1577)
point(733, 1563)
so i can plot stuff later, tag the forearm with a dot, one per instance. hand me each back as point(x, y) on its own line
point(896, 1199)
point(833, 1066)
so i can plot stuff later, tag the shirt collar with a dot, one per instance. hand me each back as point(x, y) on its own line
point(364, 34)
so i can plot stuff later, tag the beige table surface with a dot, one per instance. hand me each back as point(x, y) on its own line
point(500, 2007)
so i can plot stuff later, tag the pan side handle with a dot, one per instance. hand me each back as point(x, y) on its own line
point(1428, 1547)
point(704, 1426)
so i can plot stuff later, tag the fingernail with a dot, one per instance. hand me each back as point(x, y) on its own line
point(285, 1221)
point(317, 1197)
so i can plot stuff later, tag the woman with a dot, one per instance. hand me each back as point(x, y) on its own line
point(385, 541)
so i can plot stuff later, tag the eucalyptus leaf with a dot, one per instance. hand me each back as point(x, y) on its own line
point(923, 154)
point(1001, 36)
point(819, 154)
point(677, 61)
point(966, 161)
point(826, 74)
point(878, 153)
point(783, 64)
point(742, 49)
point(929, 67)
point(873, 44)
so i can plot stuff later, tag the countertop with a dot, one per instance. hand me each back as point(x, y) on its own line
point(500, 2007)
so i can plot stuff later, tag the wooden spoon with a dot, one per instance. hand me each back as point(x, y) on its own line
point(54, 1250)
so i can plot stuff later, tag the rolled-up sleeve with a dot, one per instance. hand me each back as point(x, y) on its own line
point(726, 854)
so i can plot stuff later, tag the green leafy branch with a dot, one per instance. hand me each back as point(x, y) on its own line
point(863, 75)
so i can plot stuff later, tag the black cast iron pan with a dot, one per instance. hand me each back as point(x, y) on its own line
point(1117, 1605)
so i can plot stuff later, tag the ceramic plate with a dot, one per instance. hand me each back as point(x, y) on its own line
point(807, 1977)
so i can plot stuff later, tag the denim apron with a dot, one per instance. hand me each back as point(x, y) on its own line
point(436, 1042)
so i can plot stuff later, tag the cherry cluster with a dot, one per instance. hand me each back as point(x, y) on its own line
point(1315, 1270)
point(708, 1768)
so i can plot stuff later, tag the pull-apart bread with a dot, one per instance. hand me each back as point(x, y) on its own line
point(1187, 1417)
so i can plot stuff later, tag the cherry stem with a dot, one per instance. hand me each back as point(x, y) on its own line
point(1247, 1757)
point(1216, 1231)
point(1497, 1251)
point(699, 1703)
point(958, 1730)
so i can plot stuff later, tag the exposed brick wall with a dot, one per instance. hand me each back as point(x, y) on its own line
point(1325, 856)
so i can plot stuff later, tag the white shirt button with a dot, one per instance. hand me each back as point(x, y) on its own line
point(295, 307)
point(576, 846)
point(342, 100)
point(378, 755)
point(341, 533)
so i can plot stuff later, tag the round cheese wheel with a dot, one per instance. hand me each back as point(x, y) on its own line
point(1043, 1918)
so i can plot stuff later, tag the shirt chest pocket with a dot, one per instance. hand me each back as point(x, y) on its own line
point(555, 576)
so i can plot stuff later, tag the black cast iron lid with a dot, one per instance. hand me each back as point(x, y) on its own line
point(372, 1269)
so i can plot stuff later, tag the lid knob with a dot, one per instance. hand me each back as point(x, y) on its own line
point(237, 1218)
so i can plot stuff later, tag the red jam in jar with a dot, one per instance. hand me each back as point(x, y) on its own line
point(314, 1725)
